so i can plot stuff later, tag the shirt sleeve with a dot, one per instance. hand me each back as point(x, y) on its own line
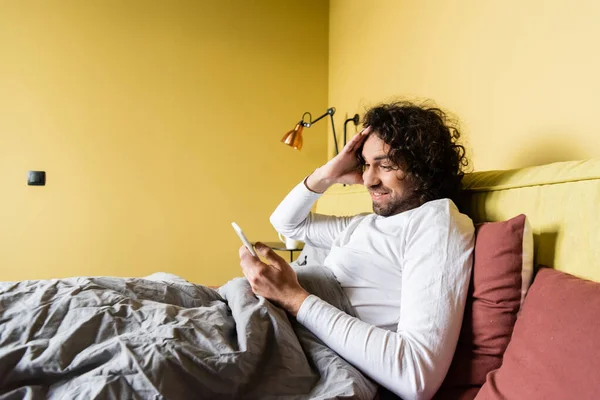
point(293, 219)
point(413, 361)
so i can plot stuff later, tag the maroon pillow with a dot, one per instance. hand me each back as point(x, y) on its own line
point(502, 270)
point(553, 353)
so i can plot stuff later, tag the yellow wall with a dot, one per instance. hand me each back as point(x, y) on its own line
point(158, 123)
point(521, 75)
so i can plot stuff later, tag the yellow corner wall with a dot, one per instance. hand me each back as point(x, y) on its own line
point(521, 75)
point(158, 123)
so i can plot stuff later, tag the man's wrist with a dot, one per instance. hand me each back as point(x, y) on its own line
point(296, 302)
point(317, 182)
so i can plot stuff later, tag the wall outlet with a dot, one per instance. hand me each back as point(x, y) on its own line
point(36, 178)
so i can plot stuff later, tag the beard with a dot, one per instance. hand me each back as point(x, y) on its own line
point(395, 204)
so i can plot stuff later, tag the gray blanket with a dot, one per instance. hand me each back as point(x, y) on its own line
point(164, 338)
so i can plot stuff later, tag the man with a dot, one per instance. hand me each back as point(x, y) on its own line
point(405, 268)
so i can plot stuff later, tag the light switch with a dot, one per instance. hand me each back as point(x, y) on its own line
point(36, 178)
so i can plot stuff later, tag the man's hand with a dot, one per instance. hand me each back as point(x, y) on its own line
point(343, 168)
point(275, 281)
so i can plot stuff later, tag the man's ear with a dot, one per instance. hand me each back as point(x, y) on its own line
point(402, 175)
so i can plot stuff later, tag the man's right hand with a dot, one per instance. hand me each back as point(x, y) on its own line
point(343, 168)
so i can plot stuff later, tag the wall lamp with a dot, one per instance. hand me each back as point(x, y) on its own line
point(294, 137)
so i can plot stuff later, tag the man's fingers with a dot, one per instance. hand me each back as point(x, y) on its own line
point(247, 260)
point(254, 269)
point(275, 259)
point(355, 141)
point(244, 252)
point(358, 139)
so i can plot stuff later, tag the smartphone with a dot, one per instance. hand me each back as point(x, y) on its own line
point(243, 238)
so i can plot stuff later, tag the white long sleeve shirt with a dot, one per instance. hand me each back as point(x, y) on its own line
point(406, 276)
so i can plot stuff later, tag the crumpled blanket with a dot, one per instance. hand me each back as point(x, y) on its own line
point(162, 337)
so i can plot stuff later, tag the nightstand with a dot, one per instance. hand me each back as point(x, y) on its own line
point(281, 247)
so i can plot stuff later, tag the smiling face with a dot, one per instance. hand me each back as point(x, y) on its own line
point(388, 183)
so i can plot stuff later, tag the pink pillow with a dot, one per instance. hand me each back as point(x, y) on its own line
point(502, 271)
point(553, 353)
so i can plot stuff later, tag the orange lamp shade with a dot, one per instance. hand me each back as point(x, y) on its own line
point(294, 137)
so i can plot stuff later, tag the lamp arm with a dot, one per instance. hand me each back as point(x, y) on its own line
point(334, 135)
point(330, 111)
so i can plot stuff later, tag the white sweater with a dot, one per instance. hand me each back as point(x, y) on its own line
point(406, 276)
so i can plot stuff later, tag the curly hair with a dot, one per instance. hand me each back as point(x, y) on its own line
point(425, 140)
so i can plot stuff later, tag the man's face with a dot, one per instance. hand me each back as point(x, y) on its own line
point(387, 182)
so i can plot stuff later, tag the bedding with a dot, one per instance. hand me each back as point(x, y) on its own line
point(165, 338)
